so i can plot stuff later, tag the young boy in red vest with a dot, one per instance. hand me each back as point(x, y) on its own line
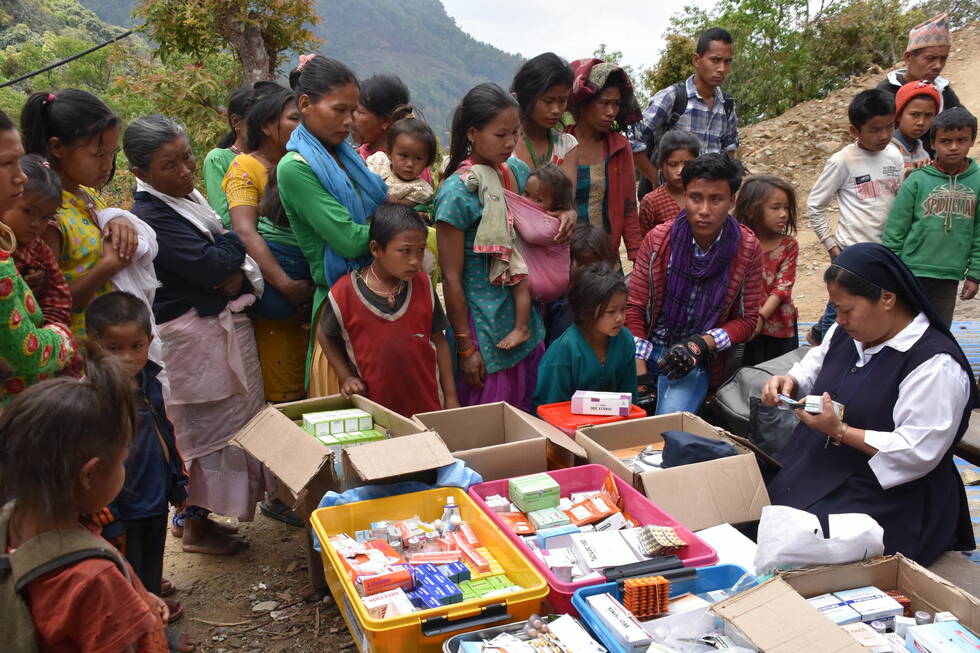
point(383, 328)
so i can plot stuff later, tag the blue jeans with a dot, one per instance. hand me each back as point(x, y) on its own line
point(828, 319)
point(680, 395)
point(274, 305)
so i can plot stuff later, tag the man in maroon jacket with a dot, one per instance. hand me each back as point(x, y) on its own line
point(696, 288)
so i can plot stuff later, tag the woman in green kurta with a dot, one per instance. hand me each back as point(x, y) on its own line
point(485, 129)
point(327, 192)
point(218, 160)
point(597, 352)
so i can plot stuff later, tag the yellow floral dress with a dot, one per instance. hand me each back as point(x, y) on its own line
point(81, 243)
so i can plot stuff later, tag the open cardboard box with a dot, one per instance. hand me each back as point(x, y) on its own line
point(698, 495)
point(304, 466)
point(500, 441)
point(776, 618)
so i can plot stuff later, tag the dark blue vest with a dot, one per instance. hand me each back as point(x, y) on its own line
point(921, 518)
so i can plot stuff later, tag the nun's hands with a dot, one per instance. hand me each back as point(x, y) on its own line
point(778, 385)
point(826, 422)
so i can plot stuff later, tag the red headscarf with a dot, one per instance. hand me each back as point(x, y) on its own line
point(591, 76)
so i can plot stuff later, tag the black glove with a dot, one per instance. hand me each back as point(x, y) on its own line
point(646, 393)
point(682, 357)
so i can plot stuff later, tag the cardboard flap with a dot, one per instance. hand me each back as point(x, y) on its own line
point(748, 444)
point(556, 436)
point(723, 490)
point(407, 454)
point(778, 620)
point(292, 454)
point(927, 590)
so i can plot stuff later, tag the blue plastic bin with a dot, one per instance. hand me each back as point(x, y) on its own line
point(709, 579)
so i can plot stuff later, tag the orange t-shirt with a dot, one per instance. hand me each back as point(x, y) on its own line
point(91, 607)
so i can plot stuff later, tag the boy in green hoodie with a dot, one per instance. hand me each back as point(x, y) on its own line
point(934, 224)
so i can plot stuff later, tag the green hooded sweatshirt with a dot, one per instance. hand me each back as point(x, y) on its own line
point(934, 224)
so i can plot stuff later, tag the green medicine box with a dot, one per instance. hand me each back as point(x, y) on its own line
point(548, 518)
point(333, 422)
point(533, 492)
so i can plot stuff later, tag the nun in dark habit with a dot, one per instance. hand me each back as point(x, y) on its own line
point(908, 392)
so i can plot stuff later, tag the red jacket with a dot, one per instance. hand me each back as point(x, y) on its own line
point(624, 222)
point(743, 298)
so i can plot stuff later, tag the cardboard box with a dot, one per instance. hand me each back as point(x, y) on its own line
point(304, 465)
point(942, 637)
point(500, 441)
point(592, 402)
point(776, 617)
point(698, 495)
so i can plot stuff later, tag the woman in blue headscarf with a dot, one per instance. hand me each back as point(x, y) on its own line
point(326, 190)
point(908, 392)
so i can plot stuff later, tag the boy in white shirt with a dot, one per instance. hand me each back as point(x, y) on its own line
point(865, 177)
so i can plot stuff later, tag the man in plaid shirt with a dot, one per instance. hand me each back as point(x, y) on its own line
point(705, 115)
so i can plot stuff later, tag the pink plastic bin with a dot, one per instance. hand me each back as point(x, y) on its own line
point(582, 479)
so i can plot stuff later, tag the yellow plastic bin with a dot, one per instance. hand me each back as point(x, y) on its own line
point(426, 630)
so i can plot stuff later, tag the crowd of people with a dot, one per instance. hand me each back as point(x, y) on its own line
point(312, 265)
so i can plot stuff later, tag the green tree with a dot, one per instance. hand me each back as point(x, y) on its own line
point(675, 64)
point(259, 32)
point(192, 92)
point(790, 51)
point(960, 12)
point(637, 76)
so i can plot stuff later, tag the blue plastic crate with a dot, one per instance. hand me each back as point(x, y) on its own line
point(709, 579)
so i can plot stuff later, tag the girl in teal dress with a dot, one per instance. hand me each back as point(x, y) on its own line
point(597, 352)
point(485, 129)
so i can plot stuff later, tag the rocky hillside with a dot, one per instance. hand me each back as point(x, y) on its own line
point(796, 145)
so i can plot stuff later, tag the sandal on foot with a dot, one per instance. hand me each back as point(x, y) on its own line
point(167, 588)
point(176, 610)
point(276, 509)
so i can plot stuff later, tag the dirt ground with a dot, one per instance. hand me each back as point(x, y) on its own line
point(219, 594)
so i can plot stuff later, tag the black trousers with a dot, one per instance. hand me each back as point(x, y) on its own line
point(943, 294)
point(145, 541)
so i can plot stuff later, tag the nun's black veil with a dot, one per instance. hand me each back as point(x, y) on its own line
point(879, 265)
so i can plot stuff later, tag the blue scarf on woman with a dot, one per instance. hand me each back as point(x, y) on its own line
point(353, 185)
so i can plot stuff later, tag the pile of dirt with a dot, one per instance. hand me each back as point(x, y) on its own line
point(796, 145)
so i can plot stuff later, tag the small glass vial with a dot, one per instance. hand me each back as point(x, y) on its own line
point(879, 627)
point(922, 617)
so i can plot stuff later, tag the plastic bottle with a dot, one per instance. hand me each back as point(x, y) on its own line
point(878, 627)
point(922, 617)
point(450, 510)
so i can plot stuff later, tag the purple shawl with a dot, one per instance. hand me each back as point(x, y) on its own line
point(707, 274)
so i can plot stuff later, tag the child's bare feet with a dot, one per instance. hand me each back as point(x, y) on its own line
point(205, 536)
point(181, 642)
point(226, 528)
point(515, 338)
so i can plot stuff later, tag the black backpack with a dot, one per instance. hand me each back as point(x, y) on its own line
point(676, 111)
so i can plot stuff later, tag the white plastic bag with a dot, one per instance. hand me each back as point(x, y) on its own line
point(791, 538)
